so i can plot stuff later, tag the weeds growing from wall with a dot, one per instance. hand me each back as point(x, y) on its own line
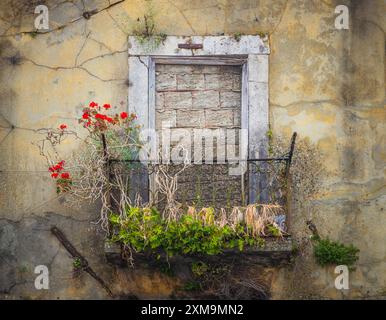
point(146, 31)
point(329, 252)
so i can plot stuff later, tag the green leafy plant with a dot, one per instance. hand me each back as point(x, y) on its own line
point(33, 34)
point(237, 36)
point(143, 230)
point(199, 268)
point(329, 252)
point(274, 231)
point(192, 286)
point(145, 30)
point(77, 264)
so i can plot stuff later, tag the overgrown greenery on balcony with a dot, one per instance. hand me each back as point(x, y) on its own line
point(168, 227)
point(105, 169)
point(144, 229)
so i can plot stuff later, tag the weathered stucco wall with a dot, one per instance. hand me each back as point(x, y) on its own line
point(324, 83)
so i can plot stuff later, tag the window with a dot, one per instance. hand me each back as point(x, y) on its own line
point(191, 83)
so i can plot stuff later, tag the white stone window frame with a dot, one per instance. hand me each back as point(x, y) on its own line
point(251, 52)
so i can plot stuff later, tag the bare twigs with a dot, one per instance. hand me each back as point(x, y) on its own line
point(166, 180)
point(48, 144)
point(259, 217)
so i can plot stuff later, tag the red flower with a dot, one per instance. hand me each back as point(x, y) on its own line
point(88, 123)
point(65, 175)
point(100, 116)
point(123, 115)
point(54, 175)
point(62, 126)
point(109, 119)
point(51, 169)
point(93, 104)
point(106, 106)
point(85, 115)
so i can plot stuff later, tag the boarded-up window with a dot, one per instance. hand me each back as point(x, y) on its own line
point(190, 98)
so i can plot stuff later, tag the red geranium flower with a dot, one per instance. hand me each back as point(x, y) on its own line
point(93, 104)
point(65, 175)
point(123, 115)
point(85, 115)
point(107, 106)
point(63, 126)
point(54, 175)
point(100, 116)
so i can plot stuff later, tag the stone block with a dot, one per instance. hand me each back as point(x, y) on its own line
point(190, 118)
point(218, 118)
point(175, 68)
point(178, 100)
point(206, 99)
point(237, 118)
point(190, 82)
point(164, 117)
point(219, 81)
point(258, 68)
point(230, 99)
point(159, 100)
point(165, 81)
point(206, 69)
point(236, 82)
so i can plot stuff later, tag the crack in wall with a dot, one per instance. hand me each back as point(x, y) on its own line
point(81, 66)
point(143, 62)
point(183, 15)
point(280, 20)
point(86, 15)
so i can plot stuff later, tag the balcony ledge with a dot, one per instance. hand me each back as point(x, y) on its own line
point(275, 252)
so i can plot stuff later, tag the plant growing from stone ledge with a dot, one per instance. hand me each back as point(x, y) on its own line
point(237, 36)
point(202, 232)
point(145, 30)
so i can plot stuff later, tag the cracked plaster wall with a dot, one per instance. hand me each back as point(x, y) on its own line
point(327, 84)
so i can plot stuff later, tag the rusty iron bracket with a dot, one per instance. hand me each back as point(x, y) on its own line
point(290, 154)
point(190, 46)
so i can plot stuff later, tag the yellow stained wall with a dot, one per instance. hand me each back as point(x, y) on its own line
point(324, 83)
